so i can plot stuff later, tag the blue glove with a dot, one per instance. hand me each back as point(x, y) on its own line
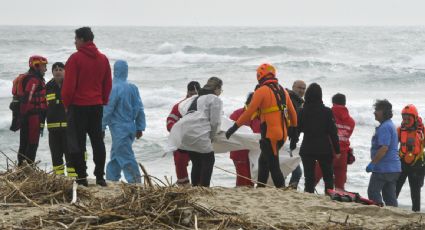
point(370, 167)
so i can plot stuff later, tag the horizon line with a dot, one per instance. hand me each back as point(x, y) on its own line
point(229, 26)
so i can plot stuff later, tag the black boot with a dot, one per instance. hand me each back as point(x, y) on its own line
point(101, 182)
point(82, 181)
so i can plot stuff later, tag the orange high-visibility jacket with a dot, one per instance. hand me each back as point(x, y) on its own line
point(276, 129)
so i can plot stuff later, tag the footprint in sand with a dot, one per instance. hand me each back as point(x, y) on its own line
point(233, 202)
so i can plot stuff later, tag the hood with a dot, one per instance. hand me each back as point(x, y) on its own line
point(340, 112)
point(313, 94)
point(89, 49)
point(120, 71)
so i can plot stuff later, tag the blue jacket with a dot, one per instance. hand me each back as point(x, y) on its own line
point(125, 107)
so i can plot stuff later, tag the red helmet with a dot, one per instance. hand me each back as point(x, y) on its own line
point(410, 115)
point(36, 60)
point(265, 70)
point(410, 110)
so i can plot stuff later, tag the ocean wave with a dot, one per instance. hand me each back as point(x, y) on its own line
point(167, 48)
point(181, 58)
point(116, 54)
point(166, 56)
point(163, 97)
point(21, 42)
point(249, 51)
point(417, 62)
point(5, 88)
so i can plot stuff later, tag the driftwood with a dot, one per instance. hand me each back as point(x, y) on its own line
point(141, 206)
point(29, 184)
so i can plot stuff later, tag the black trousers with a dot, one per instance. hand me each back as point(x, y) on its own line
point(326, 166)
point(83, 120)
point(59, 147)
point(416, 181)
point(202, 168)
point(269, 163)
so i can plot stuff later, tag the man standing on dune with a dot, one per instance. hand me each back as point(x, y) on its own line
point(85, 90)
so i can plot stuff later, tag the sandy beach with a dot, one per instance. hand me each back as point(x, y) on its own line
point(262, 208)
point(277, 208)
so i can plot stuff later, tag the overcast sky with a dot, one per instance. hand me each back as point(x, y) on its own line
point(213, 12)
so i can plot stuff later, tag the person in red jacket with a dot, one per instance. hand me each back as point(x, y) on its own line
point(181, 157)
point(345, 125)
point(240, 157)
point(31, 91)
point(86, 88)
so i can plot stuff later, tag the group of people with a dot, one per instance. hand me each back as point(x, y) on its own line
point(277, 114)
point(82, 99)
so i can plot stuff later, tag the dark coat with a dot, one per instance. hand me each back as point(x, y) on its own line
point(297, 101)
point(317, 123)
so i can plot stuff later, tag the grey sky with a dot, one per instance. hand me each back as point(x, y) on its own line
point(213, 12)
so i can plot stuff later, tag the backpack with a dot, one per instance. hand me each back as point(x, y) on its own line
point(18, 94)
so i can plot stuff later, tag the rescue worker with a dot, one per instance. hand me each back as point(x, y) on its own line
point(241, 157)
point(181, 157)
point(345, 125)
point(56, 123)
point(198, 129)
point(385, 163)
point(31, 91)
point(125, 117)
point(273, 105)
point(320, 141)
point(296, 94)
point(411, 138)
point(86, 88)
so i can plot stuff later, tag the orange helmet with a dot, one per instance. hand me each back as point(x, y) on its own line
point(265, 70)
point(411, 110)
point(409, 115)
point(36, 60)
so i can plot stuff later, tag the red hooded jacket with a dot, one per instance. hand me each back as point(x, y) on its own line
point(88, 79)
point(173, 117)
point(345, 125)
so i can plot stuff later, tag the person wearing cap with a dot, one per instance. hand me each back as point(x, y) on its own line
point(271, 102)
point(181, 157)
point(30, 88)
point(125, 117)
point(56, 123)
point(345, 125)
point(197, 129)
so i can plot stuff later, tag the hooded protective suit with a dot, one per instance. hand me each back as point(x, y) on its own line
point(124, 115)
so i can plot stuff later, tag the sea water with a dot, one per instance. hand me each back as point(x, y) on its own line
point(364, 63)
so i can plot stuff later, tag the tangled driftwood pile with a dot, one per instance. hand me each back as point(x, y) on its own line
point(34, 186)
point(154, 208)
point(149, 206)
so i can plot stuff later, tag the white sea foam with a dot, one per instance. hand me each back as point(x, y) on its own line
point(5, 88)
